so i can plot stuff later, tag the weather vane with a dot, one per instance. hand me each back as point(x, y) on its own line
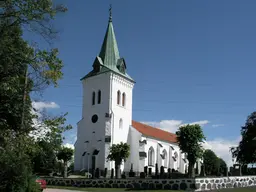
point(110, 12)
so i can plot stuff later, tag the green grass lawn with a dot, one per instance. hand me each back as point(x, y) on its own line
point(251, 189)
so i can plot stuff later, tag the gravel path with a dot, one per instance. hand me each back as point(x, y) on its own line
point(61, 190)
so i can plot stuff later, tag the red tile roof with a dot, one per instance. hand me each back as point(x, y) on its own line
point(154, 132)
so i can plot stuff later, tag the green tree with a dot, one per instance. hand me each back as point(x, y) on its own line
point(119, 153)
point(33, 15)
point(65, 154)
point(45, 160)
point(245, 152)
point(222, 167)
point(15, 165)
point(190, 138)
point(211, 162)
point(23, 68)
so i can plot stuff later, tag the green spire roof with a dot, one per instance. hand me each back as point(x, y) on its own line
point(109, 58)
point(109, 53)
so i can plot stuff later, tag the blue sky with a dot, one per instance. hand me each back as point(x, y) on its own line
point(192, 60)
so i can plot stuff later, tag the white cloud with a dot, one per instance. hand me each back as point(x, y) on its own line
point(221, 147)
point(68, 145)
point(39, 105)
point(40, 129)
point(202, 123)
point(173, 125)
point(217, 125)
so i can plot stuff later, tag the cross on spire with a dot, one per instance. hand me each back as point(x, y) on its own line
point(110, 13)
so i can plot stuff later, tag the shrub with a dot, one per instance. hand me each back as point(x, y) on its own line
point(161, 171)
point(105, 172)
point(131, 174)
point(33, 186)
point(15, 169)
point(123, 176)
point(112, 173)
point(142, 175)
point(97, 173)
point(146, 170)
point(156, 170)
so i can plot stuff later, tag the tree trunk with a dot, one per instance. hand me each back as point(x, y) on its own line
point(117, 171)
point(191, 170)
point(65, 169)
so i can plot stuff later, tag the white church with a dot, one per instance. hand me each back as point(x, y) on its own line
point(107, 119)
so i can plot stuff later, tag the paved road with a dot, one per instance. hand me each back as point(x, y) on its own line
point(61, 190)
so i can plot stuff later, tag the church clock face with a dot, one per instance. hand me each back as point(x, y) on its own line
point(94, 118)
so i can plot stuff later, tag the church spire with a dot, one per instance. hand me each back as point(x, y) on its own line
point(109, 50)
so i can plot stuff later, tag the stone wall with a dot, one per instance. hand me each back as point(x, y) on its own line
point(175, 184)
point(198, 184)
point(207, 184)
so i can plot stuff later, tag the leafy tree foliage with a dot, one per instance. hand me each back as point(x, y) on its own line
point(31, 14)
point(15, 165)
point(65, 154)
point(45, 158)
point(245, 153)
point(211, 162)
point(222, 167)
point(23, 68)
point(119, 153)
point(190, 138)
point(12, 69)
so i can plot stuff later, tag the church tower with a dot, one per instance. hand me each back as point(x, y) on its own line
point(107, 106)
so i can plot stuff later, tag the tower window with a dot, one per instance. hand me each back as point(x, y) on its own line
point(121, 124)
point(118, 97)
point(123, 99)
point(93, 98)
point(99, 96)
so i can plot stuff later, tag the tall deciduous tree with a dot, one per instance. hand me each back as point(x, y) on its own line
point(222, 167)
point(23, 68)
point(119, 153)
point(65, 154)
point(190, 139)
point(211, 162)
point(245, 153)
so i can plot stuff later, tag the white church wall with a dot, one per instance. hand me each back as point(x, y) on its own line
point(121, 113)
point(133, 140)
point(93, 132)
point(121, 117)
point(79, 149)
point(165, 146)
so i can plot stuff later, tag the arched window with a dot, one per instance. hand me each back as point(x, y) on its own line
point(93, 98)
point(165, 161)
point(99, 97)
point(123, 99)
point(151, 156)
point(118, 97)
point(121, 124)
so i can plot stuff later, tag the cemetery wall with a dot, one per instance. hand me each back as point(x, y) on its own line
point(198, 184)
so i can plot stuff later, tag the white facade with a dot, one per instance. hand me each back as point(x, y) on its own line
point(91, 136)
